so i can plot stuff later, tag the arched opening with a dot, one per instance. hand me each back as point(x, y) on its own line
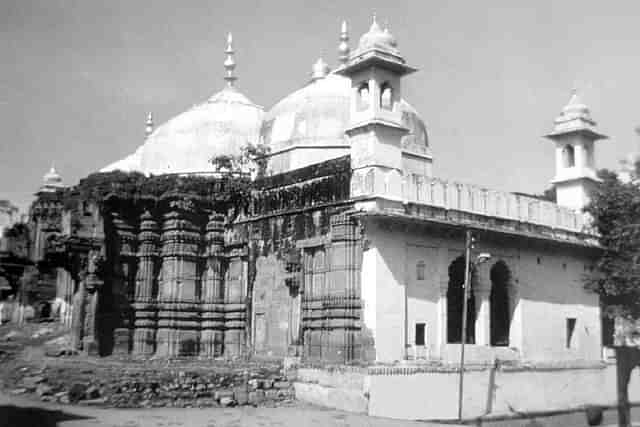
point(363, 96)
point(568, 156)
point(420, 267)
point(500, 307)
point(386, 96)
point(455, 295)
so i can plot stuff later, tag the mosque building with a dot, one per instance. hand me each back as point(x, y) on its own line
point(349, 248)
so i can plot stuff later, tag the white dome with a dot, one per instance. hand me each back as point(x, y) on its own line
point(318, 114)
point(186, 143)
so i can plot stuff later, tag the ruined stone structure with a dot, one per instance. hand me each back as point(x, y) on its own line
point(339, 245)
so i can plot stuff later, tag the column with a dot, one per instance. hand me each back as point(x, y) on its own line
point(482, 291)
point(442, 314)
point(144, 302)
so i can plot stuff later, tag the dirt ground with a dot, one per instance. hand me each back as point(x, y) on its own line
point(20, 411)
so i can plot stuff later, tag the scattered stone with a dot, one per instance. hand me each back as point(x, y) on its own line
point(227, 401)
point(44, 390)
point(220, 394)
point(271, 394)
point(254, 384)
point(95, 402)
point(20, 390)
point(77, 392)
point(256, 397)
point(282, 384)
point(92, 392)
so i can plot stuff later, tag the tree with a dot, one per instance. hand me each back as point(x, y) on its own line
point(615, 212)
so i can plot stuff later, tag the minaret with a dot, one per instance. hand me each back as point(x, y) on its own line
point(230, 63)
point(574, 134)
point(343, 48)
point(148, 129)
point(375, 130)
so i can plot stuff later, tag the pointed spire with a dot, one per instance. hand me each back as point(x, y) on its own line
point(343, 48)
point(374, 24)
point(148, 129)
point(230, 62)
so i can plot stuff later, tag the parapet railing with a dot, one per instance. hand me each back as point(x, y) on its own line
point(430, 191)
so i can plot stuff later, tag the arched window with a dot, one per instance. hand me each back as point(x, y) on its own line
point(363, 96)
point(568, 156)
point(420, 267)
point(386, 96)
point(455, 300)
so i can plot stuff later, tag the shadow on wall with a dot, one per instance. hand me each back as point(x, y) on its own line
point(13, 416)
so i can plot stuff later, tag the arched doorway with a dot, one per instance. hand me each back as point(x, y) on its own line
point(500, 304)
point(455, 293)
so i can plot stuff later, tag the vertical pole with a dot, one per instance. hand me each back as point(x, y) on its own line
point(465, 297)
point(624, 366)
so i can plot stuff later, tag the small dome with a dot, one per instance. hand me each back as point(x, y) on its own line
point(318, 114)
point(377, 38)
point(320, 69)
point(52, 177)
point(575, 109)
point(51, 181)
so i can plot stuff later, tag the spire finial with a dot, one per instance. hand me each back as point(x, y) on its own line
point(343, 48)
point(230, 62)
point(320, 69)
point(148, 129)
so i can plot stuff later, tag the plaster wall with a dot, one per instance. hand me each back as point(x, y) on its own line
point(542, 296)
point(433, 395)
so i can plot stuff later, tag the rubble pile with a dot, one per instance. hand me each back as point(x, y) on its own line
point(114, 386)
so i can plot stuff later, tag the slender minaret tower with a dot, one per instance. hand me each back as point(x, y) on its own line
point(343, 48)
point(230, 63)
point(574, 134)
point(148, 129)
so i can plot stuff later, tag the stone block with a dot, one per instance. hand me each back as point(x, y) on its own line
point(271, 394)
point(281, 384)
point(219, 394)
point(256, 397)
point(241, 395)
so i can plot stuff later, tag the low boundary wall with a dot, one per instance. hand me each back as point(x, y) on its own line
point(431, 393)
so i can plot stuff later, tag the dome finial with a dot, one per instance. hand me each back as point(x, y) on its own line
point(230, 62)
point(148, 129)
point(343, 48)
point(320, 70)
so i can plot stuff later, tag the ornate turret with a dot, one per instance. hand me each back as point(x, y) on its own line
point(574, 134)
point(376, 127)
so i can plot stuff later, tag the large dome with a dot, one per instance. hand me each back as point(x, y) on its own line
point(318, 114)
point(187, 142)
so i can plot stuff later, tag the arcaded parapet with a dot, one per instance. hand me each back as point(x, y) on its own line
point(144, 305)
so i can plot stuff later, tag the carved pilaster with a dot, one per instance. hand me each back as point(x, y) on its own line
point(123, 284)
point(179, 291)
point(212, 334)
point(145, 307)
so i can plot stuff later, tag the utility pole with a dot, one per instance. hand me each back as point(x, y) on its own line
point(467, 286)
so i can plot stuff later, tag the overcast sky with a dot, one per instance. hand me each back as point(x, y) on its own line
point(77, 77)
